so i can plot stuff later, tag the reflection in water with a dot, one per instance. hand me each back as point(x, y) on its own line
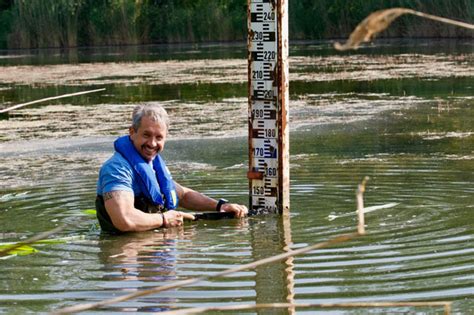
point(274, 283)
point(289, 270)
point(132, 260)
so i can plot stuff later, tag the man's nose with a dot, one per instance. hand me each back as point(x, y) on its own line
point(152, 142)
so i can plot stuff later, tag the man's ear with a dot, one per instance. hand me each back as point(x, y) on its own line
point(131, 131)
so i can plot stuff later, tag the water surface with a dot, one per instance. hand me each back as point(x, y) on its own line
point(398, 112)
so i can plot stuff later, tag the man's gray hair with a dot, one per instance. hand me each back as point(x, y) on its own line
point(154, 111)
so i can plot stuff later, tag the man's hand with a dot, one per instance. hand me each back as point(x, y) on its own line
point(239, 211)
point(175, 218)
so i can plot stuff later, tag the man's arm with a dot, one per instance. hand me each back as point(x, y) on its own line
point(120, 207)
point(196, 201)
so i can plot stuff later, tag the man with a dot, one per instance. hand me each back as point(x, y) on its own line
point(135, 187)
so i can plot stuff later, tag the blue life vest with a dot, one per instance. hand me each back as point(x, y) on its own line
point(159, 189)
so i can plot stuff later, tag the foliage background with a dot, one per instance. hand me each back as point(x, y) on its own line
point(71, 23)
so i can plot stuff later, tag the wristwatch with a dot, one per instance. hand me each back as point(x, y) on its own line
point(220, 203)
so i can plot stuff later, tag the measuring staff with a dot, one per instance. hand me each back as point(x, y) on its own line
point(269, 175)
point(135, 191)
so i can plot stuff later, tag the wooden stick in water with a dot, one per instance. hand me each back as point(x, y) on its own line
point(197, 310)
point(360, 206)
point(5, 110)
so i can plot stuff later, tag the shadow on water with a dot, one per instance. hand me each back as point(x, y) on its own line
point(411, 133)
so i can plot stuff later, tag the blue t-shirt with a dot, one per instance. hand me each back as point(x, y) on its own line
point(117, 174)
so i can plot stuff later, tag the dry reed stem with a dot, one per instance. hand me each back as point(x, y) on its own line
point(197, 310)
point(378, 21)
point(31, 240)
point(49, 99)
point(178, 284)
point(360, 206)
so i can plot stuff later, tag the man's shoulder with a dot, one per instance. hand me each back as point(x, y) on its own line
point(116, 166)
point(115, 174)
point(116, 161)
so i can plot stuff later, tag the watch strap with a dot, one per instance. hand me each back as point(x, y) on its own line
point(220, 203)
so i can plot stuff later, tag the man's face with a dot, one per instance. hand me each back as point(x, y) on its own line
point(149, 139)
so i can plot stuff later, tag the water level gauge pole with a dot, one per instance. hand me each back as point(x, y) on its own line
point(269, 172)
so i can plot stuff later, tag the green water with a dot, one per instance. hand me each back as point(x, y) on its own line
point(411, 132)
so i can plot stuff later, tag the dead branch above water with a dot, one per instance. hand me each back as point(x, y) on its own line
point(360, 206)
point(378, 21)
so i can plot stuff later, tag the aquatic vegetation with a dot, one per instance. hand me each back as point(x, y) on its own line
point(90, 212)
point(26, 247)
point(219, 71)
point(23, 247)
point(12, 250)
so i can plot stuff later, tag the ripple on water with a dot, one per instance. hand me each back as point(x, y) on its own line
point(420, 249)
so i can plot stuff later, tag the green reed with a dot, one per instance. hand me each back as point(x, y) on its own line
point(70, 23)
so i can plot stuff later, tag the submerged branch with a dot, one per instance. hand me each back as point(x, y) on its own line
point(378, 21)
point(5, 110)
point(197, 310)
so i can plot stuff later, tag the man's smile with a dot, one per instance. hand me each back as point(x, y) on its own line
point(149, 150)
